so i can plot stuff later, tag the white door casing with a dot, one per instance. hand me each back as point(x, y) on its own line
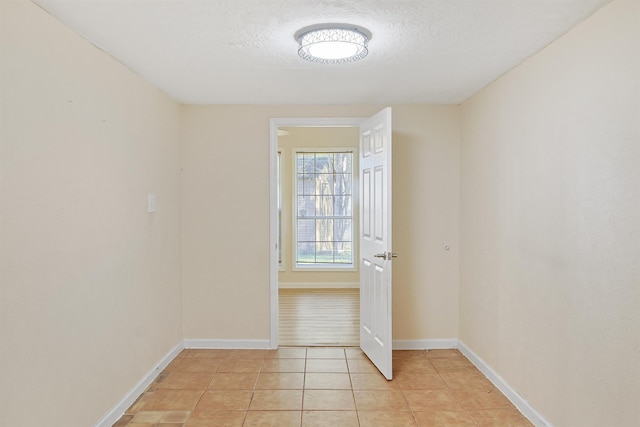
point(275, 123)
point(375, 241)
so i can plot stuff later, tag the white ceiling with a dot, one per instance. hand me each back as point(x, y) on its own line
point(244, 52)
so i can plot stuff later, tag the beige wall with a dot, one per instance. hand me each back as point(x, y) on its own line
point(226, 260)
point(550, 224)
point(311, 137)
point(90, 292)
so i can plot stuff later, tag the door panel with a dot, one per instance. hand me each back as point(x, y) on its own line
point(375, 241)
point(365, 206)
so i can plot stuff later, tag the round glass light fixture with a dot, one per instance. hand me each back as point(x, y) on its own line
point(333, 43)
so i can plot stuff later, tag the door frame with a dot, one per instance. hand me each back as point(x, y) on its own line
point(274, 124)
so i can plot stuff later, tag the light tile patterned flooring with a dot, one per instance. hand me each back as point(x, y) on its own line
point(335, 387)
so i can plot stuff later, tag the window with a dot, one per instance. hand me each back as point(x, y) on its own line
point(279, 172)
point(324, 209)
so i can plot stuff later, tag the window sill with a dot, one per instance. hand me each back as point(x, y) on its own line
point(324, 267)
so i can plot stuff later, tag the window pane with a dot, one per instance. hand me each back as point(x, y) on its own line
point(324, 183)
point(342, 206)
point(306, 252)
point(344, 253)
point(324, 253)
point(342, 163)
point(306, 230)
point(342, 230)
point(308, 163)
point(324, 206)
point(342, 184)
point(323, 163)
point(308, 184)
point(306, 206)
point(324, 230)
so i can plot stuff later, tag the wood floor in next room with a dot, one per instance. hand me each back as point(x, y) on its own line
point(319, 317)
point(320, 387)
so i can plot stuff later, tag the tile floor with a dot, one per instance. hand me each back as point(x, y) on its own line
point(335, 387)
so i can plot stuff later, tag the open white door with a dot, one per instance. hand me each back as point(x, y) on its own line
point(375, 241)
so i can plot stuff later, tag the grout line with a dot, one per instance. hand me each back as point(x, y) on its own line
point(424, 359)
point(353, 393)
point(451, 390)
point(304, 383)
point(406, 400)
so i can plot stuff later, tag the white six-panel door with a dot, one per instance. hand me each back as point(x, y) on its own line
point(375, 241)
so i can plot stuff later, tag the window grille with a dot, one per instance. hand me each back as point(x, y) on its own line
point(324, 209)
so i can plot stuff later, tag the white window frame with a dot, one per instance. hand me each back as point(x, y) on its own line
point(354, 210)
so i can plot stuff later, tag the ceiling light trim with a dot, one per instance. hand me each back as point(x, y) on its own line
point(333, 43)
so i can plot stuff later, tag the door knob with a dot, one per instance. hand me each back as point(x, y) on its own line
point(386, 255)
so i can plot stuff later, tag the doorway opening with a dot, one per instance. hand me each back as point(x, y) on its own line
point(314, 284)
point(374, 232)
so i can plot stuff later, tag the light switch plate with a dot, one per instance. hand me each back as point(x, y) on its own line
point(152, 203)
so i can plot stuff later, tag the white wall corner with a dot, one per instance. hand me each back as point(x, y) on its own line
point(433, 344)
point(227, 344)
point(523, 406)
point(113, 415)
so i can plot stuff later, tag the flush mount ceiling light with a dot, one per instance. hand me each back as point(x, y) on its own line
point(332, 43)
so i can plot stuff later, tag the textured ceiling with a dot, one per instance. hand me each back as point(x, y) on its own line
point(244, 52)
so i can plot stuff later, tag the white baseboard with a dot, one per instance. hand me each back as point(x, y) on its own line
point(116, 412)
point(520, 403)
point(227, 344)
point(434, 344)
point(324, 285)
